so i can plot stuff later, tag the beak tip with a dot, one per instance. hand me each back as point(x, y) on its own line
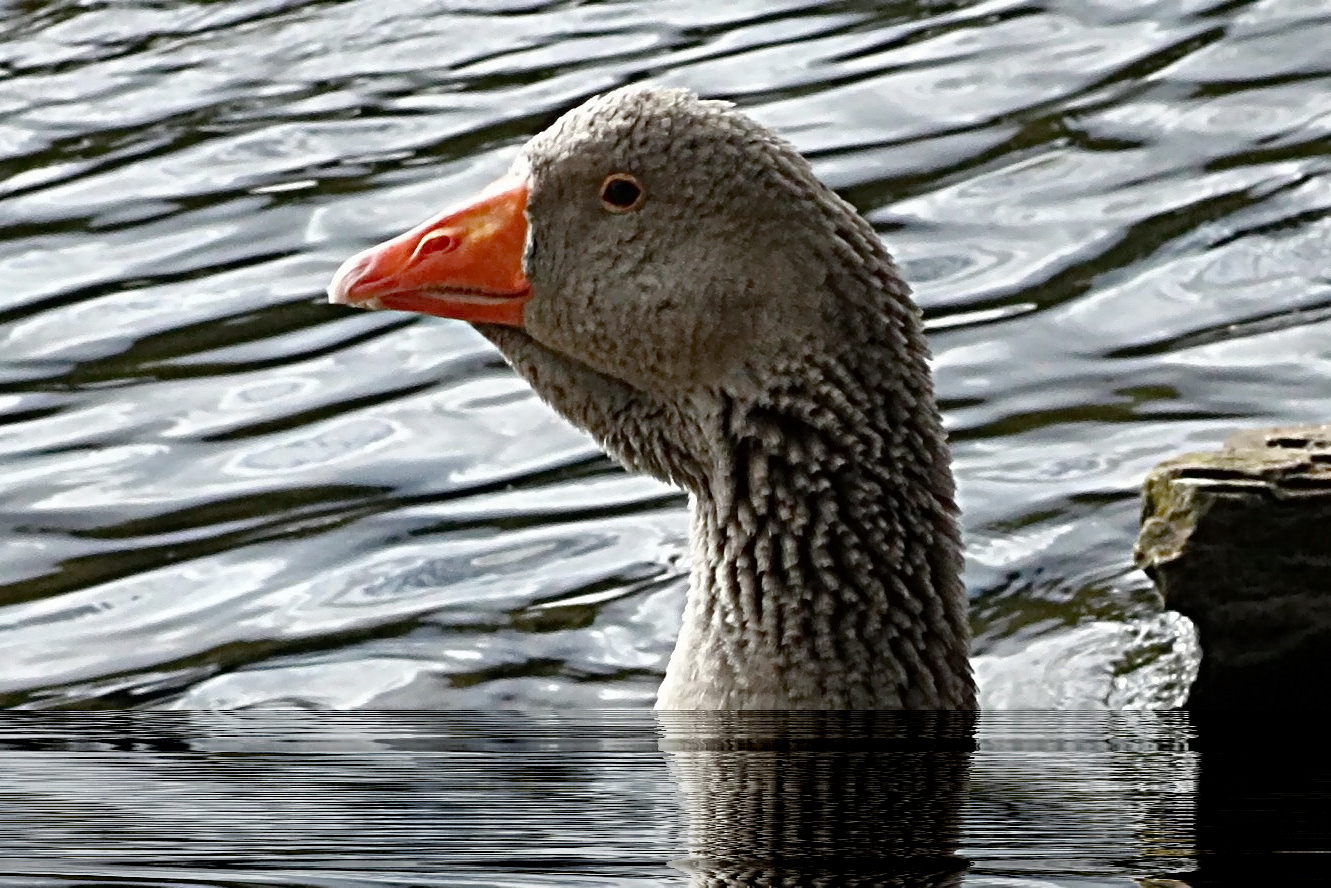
point(344, 281)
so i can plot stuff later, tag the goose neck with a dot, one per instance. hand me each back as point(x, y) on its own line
point(826, 563)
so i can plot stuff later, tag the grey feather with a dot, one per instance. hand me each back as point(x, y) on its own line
point(745, 335)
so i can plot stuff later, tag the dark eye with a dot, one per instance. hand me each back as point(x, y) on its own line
point(621, 193)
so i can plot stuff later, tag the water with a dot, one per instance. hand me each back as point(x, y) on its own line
point(619, 799)
point(219, 491)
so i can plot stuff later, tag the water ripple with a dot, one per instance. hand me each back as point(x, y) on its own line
point(220, 491)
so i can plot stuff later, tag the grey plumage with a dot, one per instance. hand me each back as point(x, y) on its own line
point(745, 335)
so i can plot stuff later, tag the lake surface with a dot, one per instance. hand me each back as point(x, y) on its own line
point(220, 492)
point(354, 800)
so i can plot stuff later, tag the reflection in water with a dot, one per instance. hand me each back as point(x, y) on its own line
point(626, 799)
point(1262, 799)
point(821, 799)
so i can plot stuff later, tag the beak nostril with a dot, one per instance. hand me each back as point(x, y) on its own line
point(435, 242)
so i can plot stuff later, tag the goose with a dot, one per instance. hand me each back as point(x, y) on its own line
point(671, 277)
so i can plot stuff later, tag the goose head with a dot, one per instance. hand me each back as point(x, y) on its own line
point(672, 277)
point(659, 239)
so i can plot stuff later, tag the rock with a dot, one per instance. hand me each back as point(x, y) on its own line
point(1239, 541)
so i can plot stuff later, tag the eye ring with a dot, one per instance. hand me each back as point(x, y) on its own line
point(622, 193)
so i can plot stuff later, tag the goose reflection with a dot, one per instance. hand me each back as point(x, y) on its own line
point(821, 798)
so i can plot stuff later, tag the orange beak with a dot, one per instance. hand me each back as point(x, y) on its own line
point(465, 263)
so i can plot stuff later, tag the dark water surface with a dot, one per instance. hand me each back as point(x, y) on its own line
point(346, 800)
point(219, 491)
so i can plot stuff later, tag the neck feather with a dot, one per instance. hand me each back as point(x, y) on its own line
point(826, 551)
